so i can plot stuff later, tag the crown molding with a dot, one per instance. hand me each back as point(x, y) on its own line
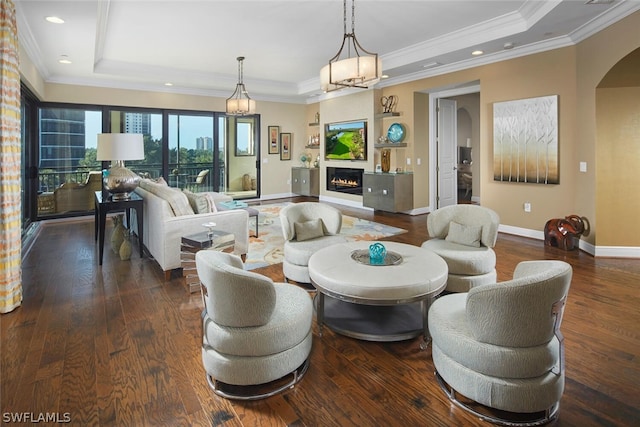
point(493, 29)
point(28, 43)
point(614, 14)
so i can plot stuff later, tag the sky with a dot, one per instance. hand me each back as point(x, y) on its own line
point(192, 127)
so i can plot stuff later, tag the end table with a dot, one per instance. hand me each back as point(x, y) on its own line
point(219, 241)
point(104, 204)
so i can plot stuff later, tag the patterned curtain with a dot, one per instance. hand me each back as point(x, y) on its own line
point(10, 146)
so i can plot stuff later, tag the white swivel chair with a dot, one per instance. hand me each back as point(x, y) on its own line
point(464, 235)
point(500, 344)
point(256, 336)
point(307, 227)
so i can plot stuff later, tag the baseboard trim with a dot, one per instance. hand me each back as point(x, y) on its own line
point(276, 196)
point(617, 251)
point(345, 202)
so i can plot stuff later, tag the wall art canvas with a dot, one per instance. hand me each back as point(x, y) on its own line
point(525, 140)
point(274, 136)
point(285, 146)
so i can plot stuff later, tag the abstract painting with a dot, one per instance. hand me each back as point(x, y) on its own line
point(525, 140)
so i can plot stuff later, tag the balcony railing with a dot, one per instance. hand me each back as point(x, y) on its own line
point(181, 176)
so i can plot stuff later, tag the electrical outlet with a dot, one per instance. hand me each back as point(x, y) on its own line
point(408, 160)
point(527, 207)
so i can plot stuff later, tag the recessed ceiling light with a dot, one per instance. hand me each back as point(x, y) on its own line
point(168, 84)
point(384, 76)
point(477, 52)
point(64, 59)
point(508, 45)
point(54, 20)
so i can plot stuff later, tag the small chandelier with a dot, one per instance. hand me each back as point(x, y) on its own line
point(239, 104)
point(361, 70)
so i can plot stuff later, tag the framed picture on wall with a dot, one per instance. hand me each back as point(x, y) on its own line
point(274, 136)
point(285, 146)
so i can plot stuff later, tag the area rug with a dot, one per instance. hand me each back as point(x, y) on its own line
point(268, 247)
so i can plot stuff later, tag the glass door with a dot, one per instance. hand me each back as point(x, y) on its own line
point(243, 154)
point(68, 173)
point(191, 149)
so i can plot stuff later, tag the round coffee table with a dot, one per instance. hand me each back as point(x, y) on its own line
point(376, 302)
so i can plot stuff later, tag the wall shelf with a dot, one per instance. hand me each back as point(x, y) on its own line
point(391, 145)
point(312, 146)
point(314, 124)
point(385, 115)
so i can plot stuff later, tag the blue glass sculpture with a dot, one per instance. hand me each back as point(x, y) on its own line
point(377, 254)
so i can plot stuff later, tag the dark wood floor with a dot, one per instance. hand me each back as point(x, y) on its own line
point(119, 346)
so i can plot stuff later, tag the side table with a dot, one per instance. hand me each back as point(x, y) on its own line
point(105, 204)
point(220, 241)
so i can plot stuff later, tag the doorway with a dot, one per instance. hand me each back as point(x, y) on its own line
point(454, 135)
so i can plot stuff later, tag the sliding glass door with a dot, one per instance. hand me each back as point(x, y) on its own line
point(195, 150)
point(213, 152)
point(68, 173)
point(243, 152)
point(191, 152)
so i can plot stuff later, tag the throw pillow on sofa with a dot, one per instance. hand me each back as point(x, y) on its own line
point(467, 235)
point(308, 230)
point(201, 202)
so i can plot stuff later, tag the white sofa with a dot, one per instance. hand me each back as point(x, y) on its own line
point(163, 229)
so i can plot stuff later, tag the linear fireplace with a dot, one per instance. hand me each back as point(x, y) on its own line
point(345, 180)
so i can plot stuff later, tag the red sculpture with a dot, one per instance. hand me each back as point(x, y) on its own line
point(564, 232)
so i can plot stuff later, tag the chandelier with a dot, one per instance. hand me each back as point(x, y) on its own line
point(239, 103)
point(359, 68)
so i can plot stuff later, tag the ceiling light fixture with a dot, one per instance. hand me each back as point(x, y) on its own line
point(477, 52)
point(64, 59)
point(360, 71)
point(54, 20)
point(431, 65)
point(239, 104)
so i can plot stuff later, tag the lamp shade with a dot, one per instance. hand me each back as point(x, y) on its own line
point(358, 71)
point(120, 146)
point(240, 106)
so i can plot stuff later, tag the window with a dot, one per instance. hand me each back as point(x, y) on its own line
point(149, 124)
point(191, 148)
point(67, 155)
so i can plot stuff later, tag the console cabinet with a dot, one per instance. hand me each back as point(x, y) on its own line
point(305, 181)
point(388, 192)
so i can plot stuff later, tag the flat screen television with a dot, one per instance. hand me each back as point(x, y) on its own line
point(346, 140)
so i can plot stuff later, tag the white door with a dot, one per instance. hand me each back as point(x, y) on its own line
point(447, 135)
